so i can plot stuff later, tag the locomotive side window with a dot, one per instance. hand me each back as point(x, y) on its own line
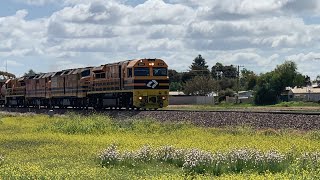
point(160, 71)
point(129, 72)
point(141, 71)
point(85, 73)
point(101, 75)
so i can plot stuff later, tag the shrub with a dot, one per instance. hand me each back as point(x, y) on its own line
point(144, 154)
point(242, 159)
point(1, 160)
point(274, 162)
point(196, 161)
point(110, 156)
point(309, 161)
point(171, 155)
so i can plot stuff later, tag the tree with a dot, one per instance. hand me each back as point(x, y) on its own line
point(248, 80)
point(318, 79)
point(186, 76)
point(176, 86)
point(199, 67)
point(30, 73)
point(226, 83)
point(270, 85)
point(174, 76)
point(264, 92)
point(200, 85)
point(219, 71)
point(224, 93)
point(6, 75)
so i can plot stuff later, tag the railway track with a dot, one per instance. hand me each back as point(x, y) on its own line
point(91, 110)
point(217, 118)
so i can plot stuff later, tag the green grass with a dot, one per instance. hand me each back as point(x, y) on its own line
point(248, 106)
point(297, 104)
point(39, 147)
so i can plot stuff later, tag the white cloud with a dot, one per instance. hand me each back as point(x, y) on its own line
point(158, 12)
point(308, 63)
point(21, 37)
point(36, 2)
point(259, 34)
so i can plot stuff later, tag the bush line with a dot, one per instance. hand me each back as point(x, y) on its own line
point(195, 161)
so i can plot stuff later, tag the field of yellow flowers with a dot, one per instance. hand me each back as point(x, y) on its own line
point(97, 147)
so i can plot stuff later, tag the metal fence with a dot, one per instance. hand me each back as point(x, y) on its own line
point(187, 100)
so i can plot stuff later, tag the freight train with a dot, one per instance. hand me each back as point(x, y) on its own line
point(131, 84)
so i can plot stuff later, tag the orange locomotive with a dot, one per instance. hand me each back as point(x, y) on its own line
point(141, 84)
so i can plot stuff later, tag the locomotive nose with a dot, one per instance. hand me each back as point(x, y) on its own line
point(153, 99)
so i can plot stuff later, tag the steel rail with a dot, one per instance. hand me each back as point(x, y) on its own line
point(91, 110)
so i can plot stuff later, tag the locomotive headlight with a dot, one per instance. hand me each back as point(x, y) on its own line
point(163, 98)
point(151, 64)
point(140, 98)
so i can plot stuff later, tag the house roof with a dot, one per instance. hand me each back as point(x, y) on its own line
point(305, 90)
point(176, 93)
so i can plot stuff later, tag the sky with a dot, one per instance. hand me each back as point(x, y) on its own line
point(51, 35)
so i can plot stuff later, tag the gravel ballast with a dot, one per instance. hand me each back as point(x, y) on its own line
point(206, 119)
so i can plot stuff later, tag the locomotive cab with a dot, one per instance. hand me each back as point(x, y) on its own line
point(150, 82)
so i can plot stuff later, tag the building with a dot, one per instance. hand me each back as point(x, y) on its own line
point(304, 94)
point(179, 98)
point(244, 97)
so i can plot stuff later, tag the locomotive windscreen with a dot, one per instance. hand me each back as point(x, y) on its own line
point(141, 71)
point(161, 71)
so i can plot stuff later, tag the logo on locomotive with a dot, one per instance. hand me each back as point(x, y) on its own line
point(152, 84)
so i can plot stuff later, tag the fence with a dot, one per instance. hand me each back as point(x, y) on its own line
point(187, 100)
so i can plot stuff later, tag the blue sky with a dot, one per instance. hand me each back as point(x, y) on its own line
point(8, 8)
point(50, 35)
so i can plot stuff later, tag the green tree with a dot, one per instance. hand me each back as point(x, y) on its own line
point(174, 76)
point(219, 71)
point(176, 86)
point(264, 92)
point(199, 67)
point(200, 86)
point(186, 76)
point(224, 93)
point(270, 85)
point(226, 83)
point(30, 73)
point(248, 80)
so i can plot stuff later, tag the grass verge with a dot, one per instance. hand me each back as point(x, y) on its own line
point(39, 147)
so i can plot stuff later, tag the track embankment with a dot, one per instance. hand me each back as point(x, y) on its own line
point(259, 120)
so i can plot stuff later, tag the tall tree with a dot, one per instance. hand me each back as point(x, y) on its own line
point(199, 66)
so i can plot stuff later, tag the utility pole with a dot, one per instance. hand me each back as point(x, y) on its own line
point(238, 83)
point(6, 65)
